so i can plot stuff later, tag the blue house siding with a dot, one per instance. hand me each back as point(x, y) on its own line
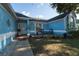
point(6, 22)
point(46, 26)
point(58, 26)
point(7, 28)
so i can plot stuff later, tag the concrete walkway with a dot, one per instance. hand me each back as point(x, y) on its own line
point(18, 48)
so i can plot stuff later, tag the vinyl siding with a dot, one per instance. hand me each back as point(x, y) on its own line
point(57, 26)
point(7, 28)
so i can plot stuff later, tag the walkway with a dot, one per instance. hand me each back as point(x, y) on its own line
point(18, 48)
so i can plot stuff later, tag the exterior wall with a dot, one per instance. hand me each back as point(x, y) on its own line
point(46, 26)
point(58, 26)
point(7, 28)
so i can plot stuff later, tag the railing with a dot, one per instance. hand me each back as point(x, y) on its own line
point(42, 31)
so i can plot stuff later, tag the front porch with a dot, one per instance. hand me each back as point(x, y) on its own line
point(17, 48)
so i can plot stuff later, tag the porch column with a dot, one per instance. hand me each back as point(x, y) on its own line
point(28, 33)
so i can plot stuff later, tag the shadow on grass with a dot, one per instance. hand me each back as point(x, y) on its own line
point(54, 47)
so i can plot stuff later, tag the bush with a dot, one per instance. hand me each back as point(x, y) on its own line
point(74, 34)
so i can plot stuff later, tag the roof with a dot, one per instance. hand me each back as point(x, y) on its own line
point(38, 20)
point(21, 16)
point(41, 20)
point(58, 17)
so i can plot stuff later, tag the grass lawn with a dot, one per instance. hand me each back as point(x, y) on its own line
point(55, 47)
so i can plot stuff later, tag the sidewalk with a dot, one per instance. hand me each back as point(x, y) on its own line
point(18, 48)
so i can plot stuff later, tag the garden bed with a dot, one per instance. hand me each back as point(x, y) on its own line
point(55, 47)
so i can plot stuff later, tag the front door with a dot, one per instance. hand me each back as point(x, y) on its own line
point(22, 28)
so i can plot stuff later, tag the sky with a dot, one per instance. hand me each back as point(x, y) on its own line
point(35, 10)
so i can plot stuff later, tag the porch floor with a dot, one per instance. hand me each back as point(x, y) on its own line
point(18, 48)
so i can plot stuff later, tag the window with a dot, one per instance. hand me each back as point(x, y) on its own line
point(20, 25)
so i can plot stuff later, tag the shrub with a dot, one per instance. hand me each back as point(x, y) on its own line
point(74, 34)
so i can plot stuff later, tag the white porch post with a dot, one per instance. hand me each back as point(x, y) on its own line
point(28, 33)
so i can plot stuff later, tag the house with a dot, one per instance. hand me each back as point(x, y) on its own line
point(63, 23)
point(12, 22)
point(7, 25)
point(26, 25)
point(60, 24)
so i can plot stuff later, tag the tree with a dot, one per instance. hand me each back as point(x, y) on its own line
point(65, 7)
